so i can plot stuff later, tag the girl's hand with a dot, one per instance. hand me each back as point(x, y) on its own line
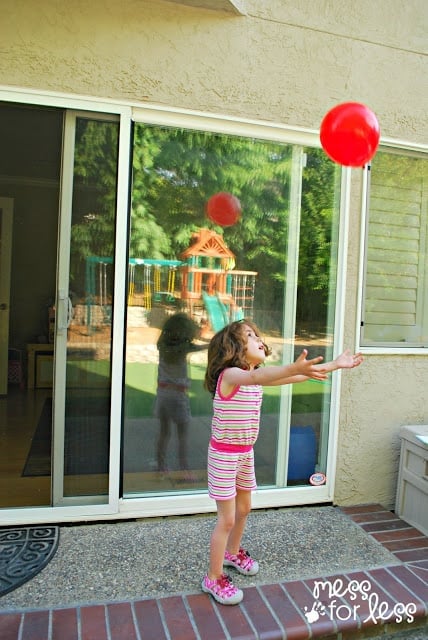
point(310, 368)
point(346, 360)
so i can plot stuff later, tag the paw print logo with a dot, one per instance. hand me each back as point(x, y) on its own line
point(318, 609)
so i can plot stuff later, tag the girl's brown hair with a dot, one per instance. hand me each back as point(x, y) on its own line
point(177, 336)
point(228, 348)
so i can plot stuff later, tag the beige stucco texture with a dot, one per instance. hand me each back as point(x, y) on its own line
point(385, 394)
point(282, 61)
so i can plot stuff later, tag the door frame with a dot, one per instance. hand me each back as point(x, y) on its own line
point(6, 227)
point(96, 503)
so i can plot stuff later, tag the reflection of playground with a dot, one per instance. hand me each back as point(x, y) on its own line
point(204, 283)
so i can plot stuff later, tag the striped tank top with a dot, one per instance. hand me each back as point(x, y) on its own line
point(236, 417)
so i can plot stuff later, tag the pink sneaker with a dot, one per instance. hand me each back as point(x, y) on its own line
point(222, 590)
point(242, 562)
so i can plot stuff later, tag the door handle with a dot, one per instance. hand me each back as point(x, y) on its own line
point(63, 311)
point(3, 306)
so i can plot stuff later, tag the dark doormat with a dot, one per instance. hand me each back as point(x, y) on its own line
point(86, 439)
point(24, 551)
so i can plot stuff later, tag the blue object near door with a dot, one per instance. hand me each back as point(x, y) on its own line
point(302, 453)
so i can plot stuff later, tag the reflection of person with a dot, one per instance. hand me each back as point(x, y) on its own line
point(236, 382)
point(175, 343)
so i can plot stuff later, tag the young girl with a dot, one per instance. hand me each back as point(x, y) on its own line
point(236, 382)
point(175, 343)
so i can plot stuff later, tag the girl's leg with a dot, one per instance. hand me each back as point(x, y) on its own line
point(182, 430)
point(242, 509)
point(219, 536)
point(164, 434)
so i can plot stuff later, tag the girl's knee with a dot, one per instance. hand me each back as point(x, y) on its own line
point(242, 511)
point(227, 522)
point(243, 504)
point(226, 513)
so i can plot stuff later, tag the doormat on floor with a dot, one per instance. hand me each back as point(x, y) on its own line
point(24, 551)
point(86, 441)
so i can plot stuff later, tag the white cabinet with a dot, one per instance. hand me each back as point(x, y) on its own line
point(412, 491)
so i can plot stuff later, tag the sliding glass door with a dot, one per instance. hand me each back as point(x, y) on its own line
point(190, 273)
point(98, 417)
point(84, 310)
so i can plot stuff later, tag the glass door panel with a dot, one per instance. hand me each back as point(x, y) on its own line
point(315, 314)
point(84, 310)
point(189, 275)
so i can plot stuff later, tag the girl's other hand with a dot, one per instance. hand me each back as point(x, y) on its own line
point(346, 360)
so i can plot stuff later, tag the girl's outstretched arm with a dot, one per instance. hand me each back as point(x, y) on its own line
point(271, 375)
point(346, 360)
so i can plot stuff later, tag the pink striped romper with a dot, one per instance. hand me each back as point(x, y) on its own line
point(234, 430)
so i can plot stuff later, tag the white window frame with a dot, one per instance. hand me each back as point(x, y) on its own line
point(379, 349)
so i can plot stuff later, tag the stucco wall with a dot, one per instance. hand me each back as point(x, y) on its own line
point(390, 391)
point(284, 61)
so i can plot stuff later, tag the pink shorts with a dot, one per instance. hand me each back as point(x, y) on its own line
point(228, 472)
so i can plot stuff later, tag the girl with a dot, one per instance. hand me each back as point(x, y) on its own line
point(236, 382)
point(175, 343)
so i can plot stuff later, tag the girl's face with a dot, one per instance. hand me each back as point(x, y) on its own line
point(255, 353)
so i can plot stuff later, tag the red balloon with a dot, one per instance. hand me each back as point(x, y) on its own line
point(350, 134)
point(224, 209)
